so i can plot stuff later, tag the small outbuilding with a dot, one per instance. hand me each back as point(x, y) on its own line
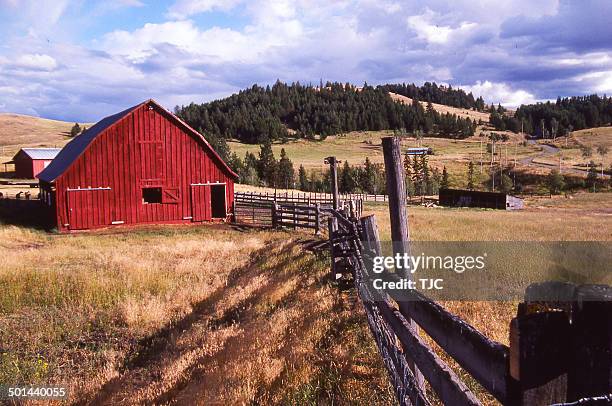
point(140, 166)
point(474, 198)
point(29, 162)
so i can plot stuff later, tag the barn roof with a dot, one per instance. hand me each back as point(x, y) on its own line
point(79, 144)
point(41, 153)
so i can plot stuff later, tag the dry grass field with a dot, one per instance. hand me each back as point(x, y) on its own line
point(443, 109)
point(174, 314)
point(570, 150)
point(355, 146)
point(19, 131)
point(184, 314)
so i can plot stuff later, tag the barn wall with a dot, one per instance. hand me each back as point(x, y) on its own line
point(23, 167)
point(38, 165)
point(143, 149)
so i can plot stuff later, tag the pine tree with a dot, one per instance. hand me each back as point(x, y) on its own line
point(346, 181)
point(267, 165)
point(555, 182)
point(75, 130)
point(368, 177)
point(470, 184)
point(444, 182)
point(591, 179)
point(506, 183)
point(417, 176)
point(303, 179)
point(426, 182)
point(408, 176)
point(286, 172)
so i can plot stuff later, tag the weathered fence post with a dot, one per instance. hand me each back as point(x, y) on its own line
point(317, 219)
point(539, 346)
point(333, 167)
point(332, 224)
point(370, 234)
point(394, 169)
point(591, 353)
point(275, 215)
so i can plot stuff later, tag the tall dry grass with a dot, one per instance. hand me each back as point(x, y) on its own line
point(184, 315)
point(69, 302)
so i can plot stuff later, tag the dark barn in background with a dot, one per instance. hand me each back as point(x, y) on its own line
point(142, 165)
point(473, 198)
point(29, 162)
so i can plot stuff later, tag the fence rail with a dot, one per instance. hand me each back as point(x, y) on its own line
point(559, 351)
point(294, 212)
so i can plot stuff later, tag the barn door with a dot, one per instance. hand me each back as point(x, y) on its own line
point(200, 203)
point(88, 208)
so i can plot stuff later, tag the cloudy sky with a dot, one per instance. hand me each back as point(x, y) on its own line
point(83, 59)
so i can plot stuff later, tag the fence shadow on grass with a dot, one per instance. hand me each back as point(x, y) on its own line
point(25, 213)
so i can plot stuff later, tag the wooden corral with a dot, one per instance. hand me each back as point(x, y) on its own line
point(142, 165)
point(560, 341)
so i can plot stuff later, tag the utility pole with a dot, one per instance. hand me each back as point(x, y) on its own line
point(333, 168)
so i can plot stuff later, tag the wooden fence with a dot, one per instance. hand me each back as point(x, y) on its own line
point(284, 211)
point(560, 350)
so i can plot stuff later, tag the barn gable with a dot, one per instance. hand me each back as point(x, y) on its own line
point(75, 148)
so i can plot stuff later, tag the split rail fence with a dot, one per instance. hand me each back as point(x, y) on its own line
point(560, 351)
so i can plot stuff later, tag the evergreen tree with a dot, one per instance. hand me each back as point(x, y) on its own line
point(286, 172)
point(506, 183)
point(303, 179)
point(346, 182)
point(426, 184)
point(555, 182)
point(417, 176)
point(266, 164)
point(368, 179)
point(470, 183)
point(236, 164)
point(410, 190)
point(283, 111)
point(444, 184)
point(602, 150)
point(591, 179)
point(75, 130)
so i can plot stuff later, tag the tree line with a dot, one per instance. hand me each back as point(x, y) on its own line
point(431, 92)
point(284, 111)
point(550, 120)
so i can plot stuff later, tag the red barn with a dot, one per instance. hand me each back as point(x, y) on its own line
point(142, 165)
point(29, 162)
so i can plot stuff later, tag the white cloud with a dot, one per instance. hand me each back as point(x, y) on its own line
point(36, 62)
point(428, 29)
point(186, 8)
point(500, 93)
point(177, 61)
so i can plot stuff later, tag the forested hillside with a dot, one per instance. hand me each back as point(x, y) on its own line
point(258, 114)
point(556, 119)
point(433, 93)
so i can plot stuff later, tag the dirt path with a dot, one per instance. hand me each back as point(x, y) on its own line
point(241, 343)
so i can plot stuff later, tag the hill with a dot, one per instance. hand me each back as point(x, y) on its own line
point(19, 131)
point(287, 111)
point(473, 115)
point(548, 120)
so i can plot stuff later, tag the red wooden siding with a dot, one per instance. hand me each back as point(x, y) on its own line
point(28, 168)
point(144, 149)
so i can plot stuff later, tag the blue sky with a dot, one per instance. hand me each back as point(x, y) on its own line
point(84, 59)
